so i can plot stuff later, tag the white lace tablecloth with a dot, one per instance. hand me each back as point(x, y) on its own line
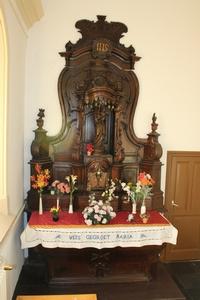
point(98, 236)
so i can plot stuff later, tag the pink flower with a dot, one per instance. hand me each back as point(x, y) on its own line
point(55, 183)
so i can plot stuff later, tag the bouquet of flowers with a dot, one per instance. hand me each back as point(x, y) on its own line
point(71, 182)
point(108, 194)
point(141, 190)
point(55, 213)
point(130, 189)
point(60, 187)
point(41, 179)
point(97, 212)
point(144, 186)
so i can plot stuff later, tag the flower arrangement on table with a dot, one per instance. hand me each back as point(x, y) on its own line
point(71, 182)
point(108, 194)
point(39, 181)
point(144, 186)
point(139, 192)
point(89, 148)
point(59, 188)
point(100, 211)
point(97, 212)
point(55, 213)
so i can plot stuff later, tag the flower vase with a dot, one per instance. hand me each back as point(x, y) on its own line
point(55, 217)
point(143, 208)
point(57, 202)
point(70, 211)
point(40, 204)
point(133, 207)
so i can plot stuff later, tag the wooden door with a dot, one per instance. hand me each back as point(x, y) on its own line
point(183, 204)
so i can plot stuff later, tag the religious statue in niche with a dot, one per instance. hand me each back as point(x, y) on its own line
point(100, 119)
point(98, 175)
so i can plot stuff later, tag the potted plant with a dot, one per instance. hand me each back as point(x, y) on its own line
point(55, 213)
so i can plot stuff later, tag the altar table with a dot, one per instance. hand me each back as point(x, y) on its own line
point(71, 231)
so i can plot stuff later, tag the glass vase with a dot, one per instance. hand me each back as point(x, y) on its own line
point(134, 207)
point(55, 217)
point(70, 211)
point(143, 208)
point(40, 204)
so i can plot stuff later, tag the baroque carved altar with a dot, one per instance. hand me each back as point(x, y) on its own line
point(98, 93)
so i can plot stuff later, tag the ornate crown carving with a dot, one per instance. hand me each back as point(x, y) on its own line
point(101, 28)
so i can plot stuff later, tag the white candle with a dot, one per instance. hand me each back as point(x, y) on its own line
point(57, 202)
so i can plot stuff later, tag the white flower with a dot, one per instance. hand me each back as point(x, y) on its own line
point(85, 215)
point(96, 216)
point(99, 218)
point(104, 221)
point(88, 222)
point(123, 184)
point(96, 208)
point(100, 202)
point(90, 209)
point(148, 176)
point(93, 202)
point(112, 214)
point(130, 218)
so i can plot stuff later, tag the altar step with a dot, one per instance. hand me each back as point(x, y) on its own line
point(124, 278)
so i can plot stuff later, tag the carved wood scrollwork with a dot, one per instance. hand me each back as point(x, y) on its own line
point(98, 93)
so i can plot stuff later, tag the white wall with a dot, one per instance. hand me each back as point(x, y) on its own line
point(166, 34)
point(10, 245)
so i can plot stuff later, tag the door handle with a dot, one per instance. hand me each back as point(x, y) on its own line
point(174, 204)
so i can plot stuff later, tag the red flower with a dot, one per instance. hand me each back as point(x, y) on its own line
point(90, 148)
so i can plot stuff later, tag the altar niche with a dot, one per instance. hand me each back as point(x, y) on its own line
point(98, 93)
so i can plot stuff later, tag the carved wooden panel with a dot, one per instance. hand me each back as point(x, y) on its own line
point(98, 93)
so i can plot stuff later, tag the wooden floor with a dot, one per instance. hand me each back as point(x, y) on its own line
point(33, 282)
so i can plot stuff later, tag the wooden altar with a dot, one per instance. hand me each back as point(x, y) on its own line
point(98, 93)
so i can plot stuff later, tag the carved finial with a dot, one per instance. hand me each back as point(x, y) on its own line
point(40, 144)
point(101, 18)
point(154, 125)
point(153, 149)
point(68, 53)
point(40, 121)
point(41, 113)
